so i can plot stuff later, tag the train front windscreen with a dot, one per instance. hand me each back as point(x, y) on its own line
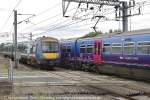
point(50, 47)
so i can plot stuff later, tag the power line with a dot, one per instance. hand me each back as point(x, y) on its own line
point(60, 23)
point(77, 22)
point(73, 23)
point(48, 9)
point(63, 26)
point(10, 14)
point(54, 25)
point(63, 21)
point(47, 19)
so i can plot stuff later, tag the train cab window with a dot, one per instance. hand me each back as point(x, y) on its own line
point(89, 49)
point(50, 47)
point(107, 48)
point(54, 47)
point(129, 48)
point(82, 49)
point(116, 48)
point(143, 48)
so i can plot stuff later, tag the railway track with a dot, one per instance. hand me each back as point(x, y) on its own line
point(74, 92)
point(62, 84)
point(77, 85)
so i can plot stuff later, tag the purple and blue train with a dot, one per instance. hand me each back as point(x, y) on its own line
point(126, 54)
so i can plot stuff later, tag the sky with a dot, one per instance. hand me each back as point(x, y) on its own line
point(47, 19)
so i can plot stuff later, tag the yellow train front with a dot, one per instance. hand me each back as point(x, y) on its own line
point(45, 51)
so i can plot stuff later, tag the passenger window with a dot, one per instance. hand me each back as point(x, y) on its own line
point(107, 48)
point(116, 48)
point(95, 48)
point(143, 48)
point(69, 49)
point(64, 48)
point(129, 48)
point(25, 49)
point(34, 48)
point(31, 50)
point(89, 49)
point(99, 48)
point(82, 49)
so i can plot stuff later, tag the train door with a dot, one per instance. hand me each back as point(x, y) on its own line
point(97, 51)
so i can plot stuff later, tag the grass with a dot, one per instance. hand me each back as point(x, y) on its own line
point(3, 68)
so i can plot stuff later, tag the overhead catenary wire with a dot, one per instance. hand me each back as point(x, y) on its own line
point(46, 20)
point(44, 11)
point(10, 14)
point(73, 8)
point(71, 24)
point(68, 24)
point(48, 9)
point(50, 18)
point(55, 25)
point(59, 22)
point(61, 27)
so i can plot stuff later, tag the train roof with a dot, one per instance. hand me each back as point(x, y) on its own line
point(135, 32)
point(47, 39)
point(142, 31)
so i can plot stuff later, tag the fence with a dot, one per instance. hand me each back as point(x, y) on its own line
point(6, 77)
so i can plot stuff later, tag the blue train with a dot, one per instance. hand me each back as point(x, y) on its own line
point(41, 51)
point(125, 54)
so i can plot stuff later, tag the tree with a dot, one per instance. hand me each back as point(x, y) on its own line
point(92, 34)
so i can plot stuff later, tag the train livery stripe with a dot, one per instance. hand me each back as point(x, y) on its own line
point(50, 55)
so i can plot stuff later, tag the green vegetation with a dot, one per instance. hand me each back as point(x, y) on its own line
point(94, 34)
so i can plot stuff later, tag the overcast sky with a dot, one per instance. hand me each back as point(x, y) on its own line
point(50, 22)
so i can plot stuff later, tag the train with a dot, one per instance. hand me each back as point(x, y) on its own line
point(41, 51)
point(125, 54)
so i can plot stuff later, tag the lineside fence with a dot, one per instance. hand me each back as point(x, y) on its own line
point(6, 76)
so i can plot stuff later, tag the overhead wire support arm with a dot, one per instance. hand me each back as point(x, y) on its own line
point(66, 3)
point(27, 19)
point(122, 9)
point(99, 17)
point(64, 7)
point(104, 2)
